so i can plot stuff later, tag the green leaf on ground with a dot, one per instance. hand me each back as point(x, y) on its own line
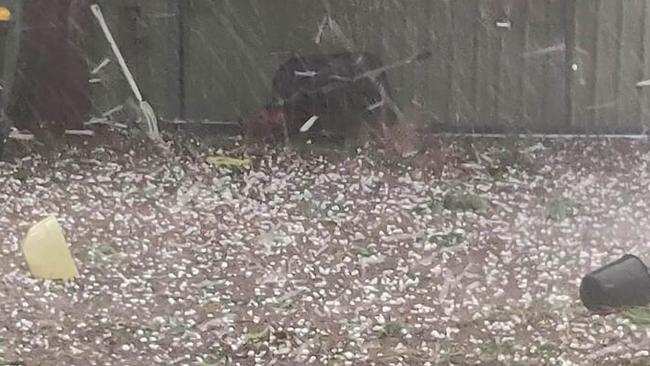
point(259, 335)
point(364, 252)
point(229, 163)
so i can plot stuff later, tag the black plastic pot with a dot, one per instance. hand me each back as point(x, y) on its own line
point(623, 283)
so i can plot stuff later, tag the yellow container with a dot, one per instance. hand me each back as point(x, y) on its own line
point(5, 14)
point(47, 253)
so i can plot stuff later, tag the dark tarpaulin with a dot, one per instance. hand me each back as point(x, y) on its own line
point(52, 84)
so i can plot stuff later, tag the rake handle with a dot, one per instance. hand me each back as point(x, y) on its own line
point(97, 12)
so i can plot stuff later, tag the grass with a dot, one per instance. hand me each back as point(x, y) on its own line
point(4, 362)
point(22, 174)
point(638, 315)
point(497, 171)
point(494, 348)
point(465, 202)
point(102, 251)
point(259, 335)
point(177, 329)
point(218, 358)
point(448, 240)
point(436, 206)
point(560, 209)
point(392, 329)
point(361, 251)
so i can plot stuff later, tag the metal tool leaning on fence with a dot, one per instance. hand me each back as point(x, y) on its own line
point(148, 113)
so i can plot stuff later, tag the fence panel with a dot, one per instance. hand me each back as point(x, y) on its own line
point(630, 66)
point(437, 77)
point(489, 46)
point(644, 93)
point(464, 61)
point(511, 64)
point(607, 65)
point(147, 33)
point(232, 49)
point(498, 65)
point(583, 70)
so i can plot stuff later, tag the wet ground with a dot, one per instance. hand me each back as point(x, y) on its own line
point(337, 259)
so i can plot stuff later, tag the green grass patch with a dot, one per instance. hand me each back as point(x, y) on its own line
point(362, 251)
point(4, 362)
point(22, 174)
point(463, 201)
point(259, 334)
point(497, 171)
point(639, 316)
point(448, 240)
point(217, 358)
point(494, 348)
point(102, 251)
point(392, 329)
point(560, 209)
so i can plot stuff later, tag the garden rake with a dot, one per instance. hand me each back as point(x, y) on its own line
point(148, 113)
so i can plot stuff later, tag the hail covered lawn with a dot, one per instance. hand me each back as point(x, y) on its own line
point(469, 254)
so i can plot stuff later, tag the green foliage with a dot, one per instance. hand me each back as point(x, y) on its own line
point(560, 209)
point(465, 202)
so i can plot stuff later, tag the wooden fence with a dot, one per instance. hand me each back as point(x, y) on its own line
point(529, 66)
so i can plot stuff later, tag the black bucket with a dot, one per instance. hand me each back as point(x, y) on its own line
point(623, 283)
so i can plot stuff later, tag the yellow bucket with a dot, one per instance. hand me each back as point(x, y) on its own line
point(47, 253)
point(5, 14)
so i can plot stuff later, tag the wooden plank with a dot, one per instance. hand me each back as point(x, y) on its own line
point(158, 70)
point(438, 92)
point(282, 40)
point(296, 35)
point(544, 84)
point(362, 24)
point(583, 74)
point(464, 65)
point(208, 62)
point(607, 65)
point(645, 92)
point(535, 59)
point(420, 13)
point(489, 44)
point(510, 110)
point(250, 75)
point(402, 43)
point(555, 107)
point(229, 76)
point(571, 62)
point(631, 67)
